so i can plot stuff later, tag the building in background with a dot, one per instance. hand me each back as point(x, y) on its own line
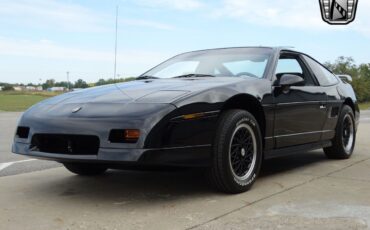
point(57, 89)
point(30, 88)
point(18, 88)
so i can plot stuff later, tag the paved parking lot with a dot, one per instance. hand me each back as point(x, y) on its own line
point(300, 191)
point(12, 164)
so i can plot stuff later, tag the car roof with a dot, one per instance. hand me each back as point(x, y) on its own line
point(277, 49)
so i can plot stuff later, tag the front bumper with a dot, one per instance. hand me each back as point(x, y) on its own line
point(160, 142)
point(192, 156)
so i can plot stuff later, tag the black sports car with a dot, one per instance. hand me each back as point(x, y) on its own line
point(223, 109)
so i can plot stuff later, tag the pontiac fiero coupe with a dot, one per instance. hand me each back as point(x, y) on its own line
point(222, 109)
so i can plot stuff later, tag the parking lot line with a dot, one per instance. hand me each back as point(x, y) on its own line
point(7, 164)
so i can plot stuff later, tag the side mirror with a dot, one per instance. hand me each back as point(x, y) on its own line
point(345, 77)
point(291, 80)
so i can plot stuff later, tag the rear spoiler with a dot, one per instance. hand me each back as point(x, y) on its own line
point(345, 78)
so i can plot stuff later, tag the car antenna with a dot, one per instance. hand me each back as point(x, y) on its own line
point(115, 53)
point(115, 47)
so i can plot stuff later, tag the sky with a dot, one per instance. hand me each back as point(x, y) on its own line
point(43, 39)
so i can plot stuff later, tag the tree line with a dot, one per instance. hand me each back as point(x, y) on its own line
point(68, 85)
point(342, 65)
point(360, 75)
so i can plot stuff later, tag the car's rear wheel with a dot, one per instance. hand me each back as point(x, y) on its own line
point(345, 136)
point(85, 169)
point(237, 152)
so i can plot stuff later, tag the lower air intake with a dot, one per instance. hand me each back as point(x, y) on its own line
point(65, 144)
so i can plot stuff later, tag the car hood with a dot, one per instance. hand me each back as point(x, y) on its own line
point(130, 98)
point(143, 91)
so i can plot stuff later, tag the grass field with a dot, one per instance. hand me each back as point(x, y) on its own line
point(20, 101)
point(365, 106)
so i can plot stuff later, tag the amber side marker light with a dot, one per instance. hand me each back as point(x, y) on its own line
point(124, 135)
point(131, 134)
point(193, 116)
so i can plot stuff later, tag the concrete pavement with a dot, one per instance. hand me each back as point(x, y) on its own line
point(300, 191)
point(12, 164)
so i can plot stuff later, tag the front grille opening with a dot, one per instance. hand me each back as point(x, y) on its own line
point(23, 132)
point(65, 144)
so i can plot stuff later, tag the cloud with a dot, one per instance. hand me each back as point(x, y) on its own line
point(49, 50)
point(362, 23)
point(285, 13)
point(185, 5)
point(305, 15)
point(147, 23)
point(133, 60)
point(51, 13)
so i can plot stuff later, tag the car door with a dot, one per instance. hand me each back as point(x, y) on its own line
point(300, 111)
point(329, 82)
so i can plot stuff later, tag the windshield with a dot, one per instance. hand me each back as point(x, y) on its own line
point(232, 62)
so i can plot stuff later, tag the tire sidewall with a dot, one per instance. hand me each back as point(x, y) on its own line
point(346, 110)
point(242, 117)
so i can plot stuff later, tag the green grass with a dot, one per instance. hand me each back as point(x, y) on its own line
point(365, 105)
point(20, 101)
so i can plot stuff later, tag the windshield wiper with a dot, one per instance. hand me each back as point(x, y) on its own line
point(146, 77)
point(194, 75)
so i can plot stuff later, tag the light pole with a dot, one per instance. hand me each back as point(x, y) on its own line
point(68, 80)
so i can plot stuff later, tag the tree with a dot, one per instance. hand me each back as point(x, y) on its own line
point(100, 82)
point(343, 65)
point(81, 84)
point(8, 87)
point(63, 84)
point(360, 75)
point(364, 71)
point(48, 84)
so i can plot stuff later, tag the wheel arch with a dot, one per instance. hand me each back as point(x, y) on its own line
point(348, 101)
point(251, 104)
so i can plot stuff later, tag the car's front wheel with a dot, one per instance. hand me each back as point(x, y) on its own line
point(237, 152)
point(85, 169)
point(345, 136)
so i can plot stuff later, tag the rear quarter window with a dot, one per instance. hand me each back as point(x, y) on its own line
point(324, 76)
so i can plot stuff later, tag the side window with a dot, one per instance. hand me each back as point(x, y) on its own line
point(288, 65)
point(291, 65)
point(324, 76)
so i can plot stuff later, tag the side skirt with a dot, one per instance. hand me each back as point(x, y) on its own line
point(296, 149)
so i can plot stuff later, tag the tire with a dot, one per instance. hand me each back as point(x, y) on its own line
point(85, 169)
point(345, 136)
point(237, 152)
